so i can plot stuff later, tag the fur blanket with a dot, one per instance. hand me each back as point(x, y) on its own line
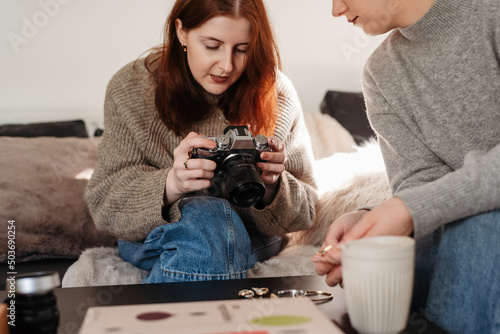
point(349, 177)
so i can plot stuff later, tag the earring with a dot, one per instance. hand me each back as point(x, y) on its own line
point(185, 48)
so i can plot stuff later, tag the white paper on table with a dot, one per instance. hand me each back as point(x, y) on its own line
point(250, 316)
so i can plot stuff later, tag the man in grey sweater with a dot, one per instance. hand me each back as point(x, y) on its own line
point(432, 92)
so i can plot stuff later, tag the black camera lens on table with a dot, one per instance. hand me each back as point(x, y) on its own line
point(236, 175)
point(35, 303)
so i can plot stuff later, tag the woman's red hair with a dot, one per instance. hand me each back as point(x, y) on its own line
point(251, 101)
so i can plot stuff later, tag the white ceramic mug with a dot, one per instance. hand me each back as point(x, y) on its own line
point(377, 275)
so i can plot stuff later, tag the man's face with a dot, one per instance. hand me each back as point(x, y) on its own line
point(375, 17)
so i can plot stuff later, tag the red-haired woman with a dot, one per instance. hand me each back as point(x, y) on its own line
point(218, 66)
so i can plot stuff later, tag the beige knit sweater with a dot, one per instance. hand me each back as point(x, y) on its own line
point(126, 192)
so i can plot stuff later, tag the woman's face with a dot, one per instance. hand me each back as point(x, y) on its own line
point(374, 16)
point(216, 51)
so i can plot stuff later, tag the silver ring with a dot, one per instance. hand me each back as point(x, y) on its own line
point(291, 293)
point(321, 296)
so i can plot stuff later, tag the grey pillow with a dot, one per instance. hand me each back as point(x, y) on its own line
point(43, 181)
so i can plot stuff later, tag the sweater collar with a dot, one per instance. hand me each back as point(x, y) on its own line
point(212, 99)
point(444, 17)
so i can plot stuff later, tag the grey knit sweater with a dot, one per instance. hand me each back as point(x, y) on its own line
point(433, 96)
point(126, 191)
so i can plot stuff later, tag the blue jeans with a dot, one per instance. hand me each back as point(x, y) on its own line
point(209, 242)
point(457, 279)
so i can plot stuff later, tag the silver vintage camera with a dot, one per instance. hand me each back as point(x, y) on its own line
point(236, 176)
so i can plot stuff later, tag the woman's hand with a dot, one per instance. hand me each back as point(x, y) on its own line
point(272, 167)
point(187, 174)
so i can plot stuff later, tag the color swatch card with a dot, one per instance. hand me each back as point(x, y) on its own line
point(255, 316)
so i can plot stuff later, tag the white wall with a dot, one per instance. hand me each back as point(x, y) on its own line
point(57, 56)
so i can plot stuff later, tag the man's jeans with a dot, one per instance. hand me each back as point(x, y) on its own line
point(458, 278)
point(210, 242)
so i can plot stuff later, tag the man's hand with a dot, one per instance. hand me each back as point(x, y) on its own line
point(329, 263)
point(389, 218)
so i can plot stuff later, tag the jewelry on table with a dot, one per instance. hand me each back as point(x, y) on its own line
point(297, 293)
point(293, 293)
point(316, 296)
point(245, 293)
point(261, 291)
point(328, 295)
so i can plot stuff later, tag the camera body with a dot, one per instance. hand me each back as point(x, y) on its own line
point(236, 155)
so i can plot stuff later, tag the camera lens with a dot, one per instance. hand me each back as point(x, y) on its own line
point(35, 302)
point(243, 181)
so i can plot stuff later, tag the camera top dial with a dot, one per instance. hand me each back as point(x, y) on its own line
point(260, 142)
point(223, 142)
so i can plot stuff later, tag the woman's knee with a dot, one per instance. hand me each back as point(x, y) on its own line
point(212, 219)
point(209, 242)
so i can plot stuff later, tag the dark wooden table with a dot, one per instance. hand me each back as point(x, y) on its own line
point(74, 302)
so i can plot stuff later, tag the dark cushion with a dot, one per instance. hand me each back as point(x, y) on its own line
point(349, 110)
point(74, 128)
point(98, 132)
